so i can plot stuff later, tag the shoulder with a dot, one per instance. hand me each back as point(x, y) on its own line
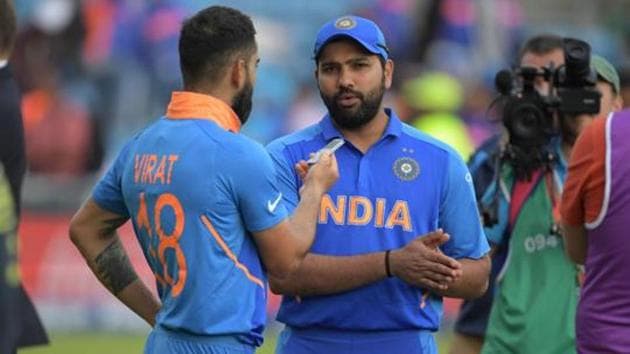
point(429, 144)
point(240, 149)
point(278, 146)
point(225, 145)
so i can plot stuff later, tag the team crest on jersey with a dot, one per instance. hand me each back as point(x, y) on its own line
point(345, 23)
point(406, 168)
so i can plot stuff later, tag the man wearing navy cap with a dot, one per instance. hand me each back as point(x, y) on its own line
point(371, 284)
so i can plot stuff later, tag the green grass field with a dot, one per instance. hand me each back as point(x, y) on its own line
point(107, 343)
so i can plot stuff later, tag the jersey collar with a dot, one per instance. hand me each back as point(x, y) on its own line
point(394, 126)
point(191, 105)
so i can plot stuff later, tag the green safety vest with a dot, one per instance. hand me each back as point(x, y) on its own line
point(534, 308)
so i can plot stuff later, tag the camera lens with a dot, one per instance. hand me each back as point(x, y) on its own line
point(527, 122)
point(577, 57)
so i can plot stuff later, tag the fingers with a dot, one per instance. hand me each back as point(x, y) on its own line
point(435, 238)
point(333, 163)
point(426, 247)
point(301, 168)
point(438, 257)
point(444, 271)
point(323, 174)
point(431, 284)
point(438, 277)
point(326, 157)
point(431, 280)
point(327, 162)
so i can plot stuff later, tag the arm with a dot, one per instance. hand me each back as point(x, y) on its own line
point(93, 231)
point(575, 242)
point(319, 274)
point(323, 275)
point(417, 264)
point(469, 280)
point(459, 217)
point(284, 246)
point(474, 279)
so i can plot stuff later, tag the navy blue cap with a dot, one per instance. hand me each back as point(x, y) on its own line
point(362, 30)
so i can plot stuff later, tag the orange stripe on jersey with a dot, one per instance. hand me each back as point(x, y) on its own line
point(229, 253)
point(191, 105)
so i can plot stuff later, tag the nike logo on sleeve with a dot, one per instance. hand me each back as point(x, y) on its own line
point(271, 206)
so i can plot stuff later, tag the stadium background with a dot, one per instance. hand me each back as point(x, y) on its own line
point(93, 72)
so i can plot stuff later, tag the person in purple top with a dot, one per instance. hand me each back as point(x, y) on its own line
point(595, 206)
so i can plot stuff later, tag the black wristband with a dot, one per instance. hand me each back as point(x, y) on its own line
point(388, 271)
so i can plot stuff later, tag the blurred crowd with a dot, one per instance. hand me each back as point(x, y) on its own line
point(94, 72)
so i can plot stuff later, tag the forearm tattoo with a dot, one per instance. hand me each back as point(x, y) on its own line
point(111, 225)
point(114, 268)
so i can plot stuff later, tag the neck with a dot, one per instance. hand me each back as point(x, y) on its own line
point(367, 135)
point(224, 95)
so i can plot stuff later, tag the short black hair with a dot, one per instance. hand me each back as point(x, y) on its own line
point(541, 44)
point(210, 39)
point(8, 27)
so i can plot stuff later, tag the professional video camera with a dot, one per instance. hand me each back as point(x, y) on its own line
point(529, 115)
point(532, 118)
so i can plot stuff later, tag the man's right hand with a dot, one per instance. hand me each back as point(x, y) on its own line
point(421, 263)
point(321, 175)
point(284, 246)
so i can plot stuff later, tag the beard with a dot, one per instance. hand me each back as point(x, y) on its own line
point(242, 102)
point(356, 117)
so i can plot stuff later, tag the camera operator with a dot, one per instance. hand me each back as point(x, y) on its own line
point(470, 327)
point(537, 287)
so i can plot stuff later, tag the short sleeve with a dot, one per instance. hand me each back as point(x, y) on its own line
point(459, 216)
point(584, 188)
point(286, 175)
point(108, 191)
point(254, 183)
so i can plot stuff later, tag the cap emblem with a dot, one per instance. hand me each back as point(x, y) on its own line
point(345, 23)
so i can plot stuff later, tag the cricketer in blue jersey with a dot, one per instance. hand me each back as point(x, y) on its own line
point(362, 289)
point(203, 202)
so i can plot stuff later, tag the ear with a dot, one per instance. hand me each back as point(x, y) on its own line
point(389, 73)
point(617, 103)
point(238, 73)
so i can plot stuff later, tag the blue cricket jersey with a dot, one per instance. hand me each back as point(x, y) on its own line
point(407, 184)
point(187, 184)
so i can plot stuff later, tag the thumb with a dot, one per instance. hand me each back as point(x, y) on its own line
point(326, 157)
point(302, 169)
